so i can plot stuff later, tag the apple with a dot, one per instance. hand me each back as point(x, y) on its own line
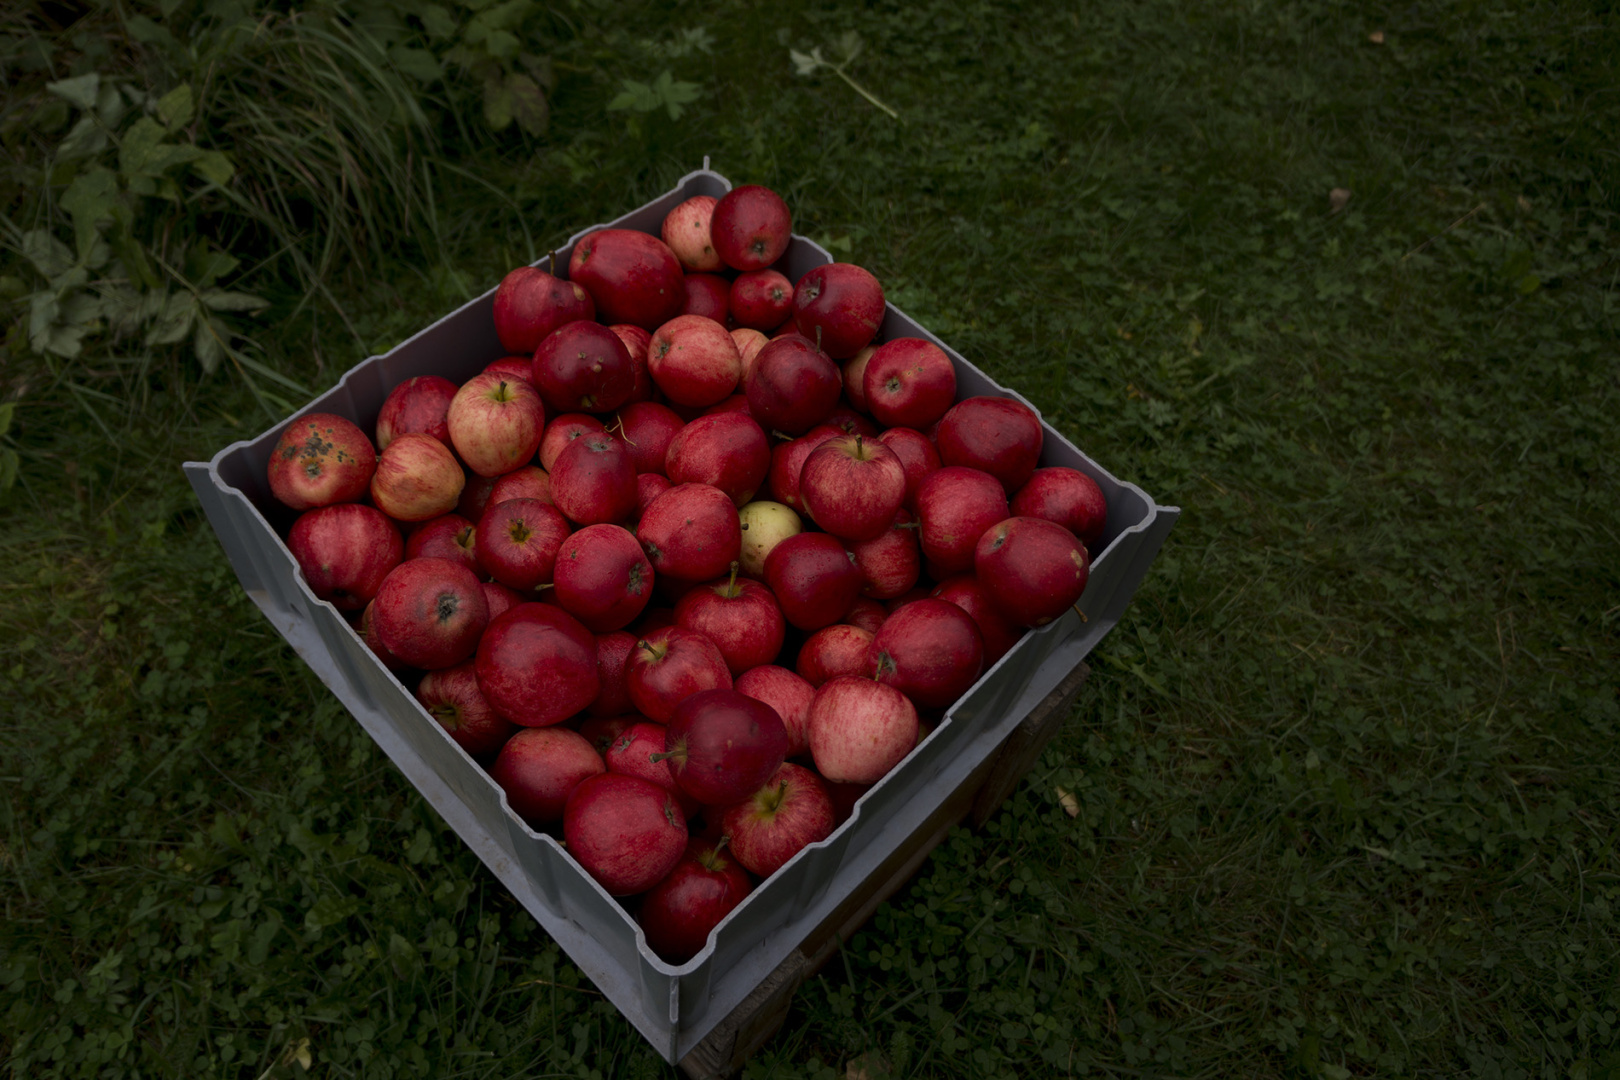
point(909, 596)
point(537, 665)
point(764, 524)
point(736, 403)
point(500, 598)
point(690, 533)
point(563, 430)
point(694, 361)
point(918, 456)
point(517, 542)
point(679, 912)
point(647, 428)
point(669, 665)
point(528, 482)
point(740, 617)
point(860, 729)
point(367, 629)
point(791, 811)
point(1066, 497)
point(583, 367)
point(603, 578)
point(750, 227)
point(889, 563)
point(814, 579)
point(417, 479)
point(853, 487)
point(636, 340)
point(840, 307)
point(639, 750)
point(749, 342)
point(417, 405)
point(517, 368)
point(954, 507)
point(1000, 634)
point(787, 463)
point(724, 745)
point(539, 768)
point(792, 386)
point(686, 231)
point(1033, 569)
point(832, 651)
point(649, 485)
point(345, 551)
point(1000, 436)
point(725, 450)
point(430, 612)
point(632, 277)
point(626, 832)
point(761, 299)
point(593, 481)
point(929, 650)
point(449, 536)
point(708, 295)
point(855, 378)
point(530, 303)
point(868, 614)
point(320, 460)
point(786, 692)
point(451, 696)
point(909, 382)
point(496, 423)
point(845, 418)
point(612, 650)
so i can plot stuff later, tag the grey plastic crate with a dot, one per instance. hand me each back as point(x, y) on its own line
point(674, 1006)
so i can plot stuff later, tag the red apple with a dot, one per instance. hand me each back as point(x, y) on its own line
point(518, 540)
point(694, 361)
point(430, 612)
point(640, 751)
point(1000, 436)
point(929, 650)
point(632, 277)
point(496, 423)
point(670, 665)
point(367, 629)
point(603, 578)
point(530, 303)
point(867, 614)
point(528, 482)
point(855, 378)
point(500, 598)
point(539, 768)
point(786, 692)
point(636, 340)
point(749, 342)
point(450, 536)
point(954, 507)
point(690, 533)
point(686, 231)
point(626, 832)
point(649, 485)
point(451, 696)
point(740, 616)
point(853, 487)
point(708, 295)
point(678, 913)
point(860, 729)
point(724, 745)
point(909, 382)
point(593, 481)
point(320, 460)
point(537, 665)
point(724, 450)
point(417, 478)
point(583, 367)
point(840, 307)
point(890, 562)
point(845, 418)
point(345, 551)
point(417, 405)
point(1000, 634)
point(761, 299)
point(832, 651)
point(750, 227)
point(612, 650)
point(1033, 569)
point(516, 368)
point(1066, 497)
point(918, 456)
point(736, 403)
point(787, 814)
point(647, 429)
point(907, 597)
point(814, 579)
point(787, 464)
point(792, 386)
point(563, 430)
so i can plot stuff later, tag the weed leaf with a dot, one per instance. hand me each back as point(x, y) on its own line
point(81, 90)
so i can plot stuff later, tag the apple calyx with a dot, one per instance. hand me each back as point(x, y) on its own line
point(447, 714)
point(446, 606)
point(885, 666)
point(519, 532)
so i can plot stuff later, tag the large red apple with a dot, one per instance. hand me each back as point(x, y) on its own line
point(612, 650)
point(750, 227)
point(1001, 436)
point(999, 632)
point(860, 729)
point(840, 307)
point(792, 386)
point(691, 532)
point(814, 579)
point(678, 913)
point(593, 481)
point(670, 665)
point(628, 833)
point(647, 428)
point(787, 464)
point(451, 696)
point(909, 382)
point(1032, 569)
point(740, 616)
point(726, 450)
point(853, 487)
point(321, 459)
point(495, 423)
point(539, 768)
point(954, 507)
point(786, 692)
point(603, 578)
point(518, 540)
point(583, 367)
point(724, 745)
point(761, 300)
point(890, 562)
point(918, 456)
point(929, 650)
point(788, 813)
point(430, 612)
point(537, 665)
point(694, 361)
point(686, 231)
point(530, 304)
point(417, 405)
point(345, 551)
point(632, 277)
point(517, 368)
point(1066, 497)
point(840, 649)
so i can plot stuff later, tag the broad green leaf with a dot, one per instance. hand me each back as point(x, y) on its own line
point(90, 201)
point(7, 411)
point(417, 63)
point(215, 166)
point(87, 139)
point(504, 16)
point(674, 94)
point(141, 145)
point(176, 106)
point(849, 44)
point(497, 103)
point(217, 300)
point(110, 107)
point(81, 309)
point(147, 32)
point(81, 90)
point(330, 910)
point(803, 63)
point(529, 106)
point(65, 341)
point(208, 343)
point(49, 255)
point(125, 309)
point(437, 22)
point(173, 324)
point(206, 267)
point(502, 44)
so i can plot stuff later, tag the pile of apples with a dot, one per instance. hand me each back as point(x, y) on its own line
point(566, 557)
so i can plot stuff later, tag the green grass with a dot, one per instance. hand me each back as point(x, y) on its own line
point(1347, 773)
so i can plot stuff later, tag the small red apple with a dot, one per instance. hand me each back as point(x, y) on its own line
point(449, 536)
point(639, 750)
point(539, 768)
point(583, 367)
point(890, 562)
point(321, 459)
point(632, 277)
point(686, 231)
point(761, 299)
point(855, 378)
point(367, 629)
point(708, 295)
point(832, 651)
point(563, 430)
point(1067, 497)
point(860, 729)
point(749, 342)
point(787, 464)
point(1000, 633)
point(530, 303)
point(909, 382)
point(740, 616)
point(840, 307)
point(678, 913)
point(853, 487)
point(417, 405)
point(1033, 569)
point(792, 386)
point(724, 745)
point(603, 578)
point(750, 227)
point(500, 598)
point(694, 361)
point(517, 542)
point(786, 692)
point(528, 482)
point(788, 813)
point(929, 650)
point(451, 696)
point(593, 481)
point(496, 423)
point(647, 428)
point(626, 832)
point(430, 612)
point(670, 665)
point(537, 665)
point(612, 650)
point(918, 456)
point(814, 579)
point(345, 551)
point(954, 507)
point(867, 614)
point(649, 485)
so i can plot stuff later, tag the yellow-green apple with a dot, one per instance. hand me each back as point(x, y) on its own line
point(764, 524)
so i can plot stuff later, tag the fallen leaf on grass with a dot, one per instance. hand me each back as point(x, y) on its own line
point(1338, 198)
point(1376, 37)
point(1070, 804)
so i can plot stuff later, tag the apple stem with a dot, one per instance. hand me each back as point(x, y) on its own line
point(543, 588)
point(656, 758)
point(909, 525)
point(1080, 613)
point(818, 337)
point(731, 586)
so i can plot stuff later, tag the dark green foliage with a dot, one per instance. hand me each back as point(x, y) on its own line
point(1346, 780)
